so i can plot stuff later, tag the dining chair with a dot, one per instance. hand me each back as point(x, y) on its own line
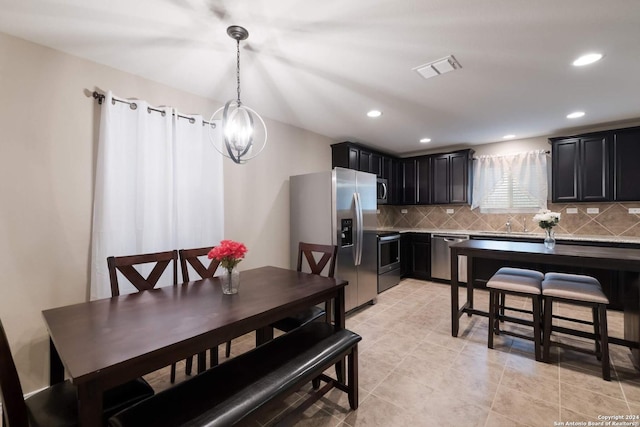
point(191, 257)
point(126, 265)
point(327, 256)
point(57, 405)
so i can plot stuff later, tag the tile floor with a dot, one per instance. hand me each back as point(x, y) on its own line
point(413, 373)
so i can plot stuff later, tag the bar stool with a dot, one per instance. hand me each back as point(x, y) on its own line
point(519, 282)
point(578, 290)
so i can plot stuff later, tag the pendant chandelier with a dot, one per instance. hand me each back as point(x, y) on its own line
point(240, 140)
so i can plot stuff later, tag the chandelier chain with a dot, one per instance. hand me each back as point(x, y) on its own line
point(238, 69)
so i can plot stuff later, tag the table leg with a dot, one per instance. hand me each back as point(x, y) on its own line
point(470, 283)
point(56, 368)
point(264, 335)
point(89, 405)
point(632, 314)
point(455, 322)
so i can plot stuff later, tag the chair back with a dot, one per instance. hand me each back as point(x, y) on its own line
point(14, 410)
point(329, 255)
point(190, 257)
point(126, 266)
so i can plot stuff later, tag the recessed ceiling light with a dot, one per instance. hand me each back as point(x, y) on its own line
point(425, 140)
point(374, 113)
point(575, 115)
point(510, 136)
point(587, 59)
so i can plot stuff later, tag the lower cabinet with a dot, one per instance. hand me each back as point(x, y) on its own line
point(415, 255)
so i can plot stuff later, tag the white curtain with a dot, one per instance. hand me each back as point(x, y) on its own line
point(159, 186)
point(510, 183)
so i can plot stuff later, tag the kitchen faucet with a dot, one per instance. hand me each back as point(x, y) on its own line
point(508, 224)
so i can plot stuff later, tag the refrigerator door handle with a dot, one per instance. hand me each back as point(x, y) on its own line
point(359, 228)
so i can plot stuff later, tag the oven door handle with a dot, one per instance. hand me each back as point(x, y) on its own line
point(389, 238)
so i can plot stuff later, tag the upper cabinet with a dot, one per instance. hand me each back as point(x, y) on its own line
point(353, 156)
point(423, 180)
point(596, 167)
point(345, 155)
point(581, 169)
point(626, 156)
point(404, 182)
point(450, 177)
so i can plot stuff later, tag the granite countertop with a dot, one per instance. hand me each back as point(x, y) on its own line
point(517, 235)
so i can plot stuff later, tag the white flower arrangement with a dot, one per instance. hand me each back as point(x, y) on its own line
point(547, 219)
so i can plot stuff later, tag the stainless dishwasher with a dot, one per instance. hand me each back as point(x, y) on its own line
point(441, 257)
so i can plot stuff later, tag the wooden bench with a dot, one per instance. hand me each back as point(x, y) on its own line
point(239, 388)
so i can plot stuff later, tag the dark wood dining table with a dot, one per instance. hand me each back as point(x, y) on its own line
point(107, 342)
point(607, 258)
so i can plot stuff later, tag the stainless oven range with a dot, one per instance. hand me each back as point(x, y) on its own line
point(388, 260)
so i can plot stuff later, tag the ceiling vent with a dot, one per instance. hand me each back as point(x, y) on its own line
point(438, 67)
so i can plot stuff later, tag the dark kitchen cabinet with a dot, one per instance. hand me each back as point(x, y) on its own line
point(404, 182)
point(387, 168)
point(345, 155)
point(451, 177)
point(423, 180)
point(353, 156)
point(626, 156)
point(405, 254)
point(415, 255)
point(421, 256)
point(375, 165)
point(364, 161)
point(581, 169)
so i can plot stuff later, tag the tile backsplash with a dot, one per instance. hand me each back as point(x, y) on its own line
point(612, 219)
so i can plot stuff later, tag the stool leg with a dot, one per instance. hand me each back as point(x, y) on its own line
point(548, 317)
point(502, 303)
point(604, 337)
point(535, 299)
point(596, 331)
point(493, 297)
point(499, 314)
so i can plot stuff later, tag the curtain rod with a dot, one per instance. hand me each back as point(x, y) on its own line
point(100, 98)
point(545, 152)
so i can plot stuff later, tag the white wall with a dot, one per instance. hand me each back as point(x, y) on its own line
point(48, 136)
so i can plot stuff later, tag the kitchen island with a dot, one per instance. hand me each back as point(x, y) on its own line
point(607, 258)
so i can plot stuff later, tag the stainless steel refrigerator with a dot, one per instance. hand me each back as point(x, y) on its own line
point(338, 207)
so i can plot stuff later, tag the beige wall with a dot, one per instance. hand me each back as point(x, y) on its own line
point(48, 128)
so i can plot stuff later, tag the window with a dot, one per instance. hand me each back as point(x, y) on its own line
point(511, 184)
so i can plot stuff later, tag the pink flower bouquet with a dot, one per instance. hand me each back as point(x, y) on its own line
point(229, 253)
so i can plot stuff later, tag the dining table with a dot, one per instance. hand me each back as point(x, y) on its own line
point(607, 258)
point(103, 343)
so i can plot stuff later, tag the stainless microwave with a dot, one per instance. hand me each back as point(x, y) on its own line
point(382, 191)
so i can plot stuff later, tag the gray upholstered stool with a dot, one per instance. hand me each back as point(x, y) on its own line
point(520, 282)
point(578, 290)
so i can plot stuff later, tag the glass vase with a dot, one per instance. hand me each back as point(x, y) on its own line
point(549, 239)
point(230, 282)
